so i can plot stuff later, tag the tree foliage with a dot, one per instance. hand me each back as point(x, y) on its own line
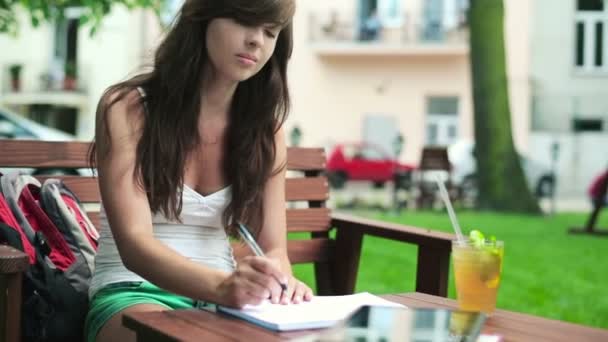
point(501, 181)
point(91, 11)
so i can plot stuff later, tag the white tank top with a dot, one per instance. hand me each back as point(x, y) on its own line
point(201, 237)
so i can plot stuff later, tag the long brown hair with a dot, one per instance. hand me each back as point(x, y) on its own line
point(170, 130)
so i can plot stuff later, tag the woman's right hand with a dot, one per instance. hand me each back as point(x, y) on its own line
point(254, 280)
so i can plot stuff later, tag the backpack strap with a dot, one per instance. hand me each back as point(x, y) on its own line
point(63, 208)
point(143, 95)
point(11, 194)
point(141, 92)
point(55, 191)
point(8, 220)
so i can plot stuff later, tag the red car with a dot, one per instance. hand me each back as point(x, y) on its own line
point(363, 162)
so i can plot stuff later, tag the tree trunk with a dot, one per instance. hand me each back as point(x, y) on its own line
point(501, 181)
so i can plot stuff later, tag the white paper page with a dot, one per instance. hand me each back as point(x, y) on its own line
point(319, 309)
point(489, 338)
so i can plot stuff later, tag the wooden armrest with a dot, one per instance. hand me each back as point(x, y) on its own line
point(434, 250)
point(394, 231)
point(12, 260)
point(12, 265)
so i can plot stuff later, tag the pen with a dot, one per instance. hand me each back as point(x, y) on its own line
point(250, 241)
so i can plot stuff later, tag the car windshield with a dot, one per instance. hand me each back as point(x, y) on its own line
point(370, 153)
point(11, 130)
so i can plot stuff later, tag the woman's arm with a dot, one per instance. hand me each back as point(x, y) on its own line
point(129, 215)
point(273, 236)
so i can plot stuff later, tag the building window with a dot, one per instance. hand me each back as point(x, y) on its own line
point(443, 16)
point(376, 14)
point(389, 12)
point(441, 120)
point(580, 46)
point(590, 5)
point(66, 41)
point(590, 39)
point(599, 40)
point(433, 26)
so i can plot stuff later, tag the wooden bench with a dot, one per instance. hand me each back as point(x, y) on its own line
point(335, 258)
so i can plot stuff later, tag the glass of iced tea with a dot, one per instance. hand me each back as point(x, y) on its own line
point(477, 269)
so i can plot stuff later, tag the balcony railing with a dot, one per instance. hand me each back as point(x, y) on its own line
point(333, 33)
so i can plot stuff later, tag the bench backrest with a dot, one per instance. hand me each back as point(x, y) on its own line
point(305, 184)
point(434, 158)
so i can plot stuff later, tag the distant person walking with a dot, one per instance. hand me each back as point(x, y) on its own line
point(597, 190)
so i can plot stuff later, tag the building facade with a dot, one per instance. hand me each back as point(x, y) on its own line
point(569, 88)
point(411, 77)
point(361, 69)
point(48, 52)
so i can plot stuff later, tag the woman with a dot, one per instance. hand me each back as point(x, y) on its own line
point(186, 151)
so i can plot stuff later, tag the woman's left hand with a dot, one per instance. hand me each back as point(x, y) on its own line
point(297, 292)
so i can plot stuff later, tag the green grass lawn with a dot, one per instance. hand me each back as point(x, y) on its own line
point(546, 271)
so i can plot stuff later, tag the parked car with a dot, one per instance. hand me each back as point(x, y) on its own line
point(539, 177)
point(362, 162)
point(15, 126)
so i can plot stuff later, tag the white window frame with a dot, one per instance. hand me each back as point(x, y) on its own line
point(589, 20)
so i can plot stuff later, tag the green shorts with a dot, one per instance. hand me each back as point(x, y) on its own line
point(114, 298)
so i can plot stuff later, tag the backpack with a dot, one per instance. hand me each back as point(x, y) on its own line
point(65, 211)
point(62, 243)
point(52, 310)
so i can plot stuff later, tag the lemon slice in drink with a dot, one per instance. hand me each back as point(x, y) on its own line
point(491, 269)
point(476, 237)
point(490, 258)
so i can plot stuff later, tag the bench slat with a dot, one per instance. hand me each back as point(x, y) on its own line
point(305, 159)
point(74, 154)
point(308, 220)
point(298, 220)
point(304, 251)
point(43, 154)
point(307, 189)
point(300, 251)
point(297, 189)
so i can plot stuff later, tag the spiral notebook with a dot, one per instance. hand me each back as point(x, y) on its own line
point(320, 312)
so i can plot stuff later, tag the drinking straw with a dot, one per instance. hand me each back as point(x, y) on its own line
point(448, 204)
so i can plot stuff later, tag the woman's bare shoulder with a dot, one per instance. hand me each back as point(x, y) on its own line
point(125, 103)
point(279, 136)
point(280, 148)
point(124, 115)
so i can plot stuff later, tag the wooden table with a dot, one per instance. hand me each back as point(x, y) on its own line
point(197, 325)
